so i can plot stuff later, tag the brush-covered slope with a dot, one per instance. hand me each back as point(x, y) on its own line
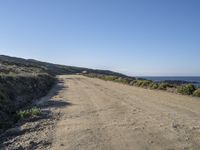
point(20, 65)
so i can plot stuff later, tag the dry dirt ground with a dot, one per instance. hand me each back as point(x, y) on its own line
point(91, 114)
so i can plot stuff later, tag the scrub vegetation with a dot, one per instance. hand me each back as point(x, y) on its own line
point(23, 114)
point(18, 91)
point(176, 86)
point(197, 92)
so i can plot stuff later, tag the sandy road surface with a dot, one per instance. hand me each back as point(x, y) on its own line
point(100, 115)
point(106, 115)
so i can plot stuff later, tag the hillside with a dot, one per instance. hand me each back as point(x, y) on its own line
point(19, 65)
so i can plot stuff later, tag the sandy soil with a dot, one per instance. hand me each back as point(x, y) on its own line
point(91, 114)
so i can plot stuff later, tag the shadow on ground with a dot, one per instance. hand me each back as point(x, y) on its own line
point(49, 101)
point(55, 104)
point(15, 137)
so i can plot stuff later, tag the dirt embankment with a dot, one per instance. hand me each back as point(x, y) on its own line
point(96, 114)
point(17, 91)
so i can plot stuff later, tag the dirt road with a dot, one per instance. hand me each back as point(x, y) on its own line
point(102, 115)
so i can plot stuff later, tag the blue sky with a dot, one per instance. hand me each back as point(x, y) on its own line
point(135, 37)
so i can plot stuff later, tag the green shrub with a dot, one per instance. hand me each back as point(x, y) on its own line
point(132, 82)
point(162, 86)
point(143, 83)
point(29, 113)
point(138, 82)
point(122, 80)
point(187, 89)
point(109, 78)
point(146, 83)
point(197, 92)
point(154, 86)
point(125, 81)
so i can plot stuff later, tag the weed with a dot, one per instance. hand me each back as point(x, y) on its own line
point(28, 113)
point(197, 92)
point(187, 89)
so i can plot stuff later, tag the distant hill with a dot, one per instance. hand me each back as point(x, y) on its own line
point(19, 65)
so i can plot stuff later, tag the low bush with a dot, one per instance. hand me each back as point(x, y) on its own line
point(162, 86)
point(146, 83)
point(171, 86)
point(132, 82)
point(22, 114)
point(197, 92)
point(154, 86)
point(138, 82)
point(143, 83)
point(109, 78)
point(122, 80)
point(187, 89)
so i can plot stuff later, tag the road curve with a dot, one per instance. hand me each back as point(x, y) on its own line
point(103, 115)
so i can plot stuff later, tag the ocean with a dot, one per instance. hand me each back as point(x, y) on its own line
point(189, 79)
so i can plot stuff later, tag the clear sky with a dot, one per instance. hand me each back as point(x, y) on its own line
point(135, 37)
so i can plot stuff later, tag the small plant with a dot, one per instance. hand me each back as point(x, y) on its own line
point(154, 86)
point(138, 82)
point(122, 80)
point(110, 78)
point(163, 86)
point(197, 92)
point(132, 82)
point(145, 83)
point(187, 89)
point(35, 111)
point(29, 113)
